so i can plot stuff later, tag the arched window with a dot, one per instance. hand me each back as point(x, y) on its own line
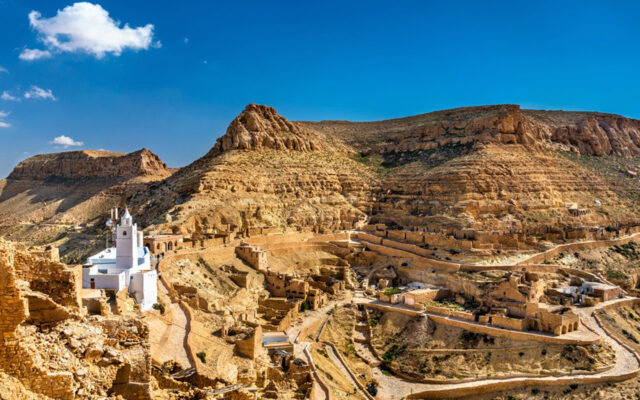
point(124, 233)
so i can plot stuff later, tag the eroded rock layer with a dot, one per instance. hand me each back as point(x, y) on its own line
point(585, 132)
point(89, 164)
point(480, 168)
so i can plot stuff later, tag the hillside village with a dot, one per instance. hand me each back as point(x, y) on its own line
point(327, 274)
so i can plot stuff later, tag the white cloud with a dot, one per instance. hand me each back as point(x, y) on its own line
point(36, 92)
point(65, 141)
point(7, 96)
point(3, 124)
point(88, 28)
point(3, 69)
point(34, 54)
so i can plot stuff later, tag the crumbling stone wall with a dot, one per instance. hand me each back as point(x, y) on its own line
point(61, 282)
point(253, 256)
point(14, 359)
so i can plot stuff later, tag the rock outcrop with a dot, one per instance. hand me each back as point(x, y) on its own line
point(583, 132)
point(81, 164)
point(260, 127)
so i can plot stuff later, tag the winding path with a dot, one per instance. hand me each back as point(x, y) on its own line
point(172, 343)
point(393, 388)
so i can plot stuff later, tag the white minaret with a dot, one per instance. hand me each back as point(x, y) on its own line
point(127, 243)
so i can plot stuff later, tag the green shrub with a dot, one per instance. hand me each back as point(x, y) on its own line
point(349, 347)
point(202, 356)
point(159, 307)
point(391, 291)
point(618, 275)
point(393, 353)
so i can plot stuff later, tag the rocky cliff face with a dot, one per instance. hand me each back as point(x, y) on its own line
point(583, 132)
point(495, 167)
point(90, 164)
point(261, 127)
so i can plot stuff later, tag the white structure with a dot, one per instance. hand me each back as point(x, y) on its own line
point(127, 264)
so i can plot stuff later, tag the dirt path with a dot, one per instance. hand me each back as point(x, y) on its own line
point(172, 342)
point(394, 388)
point(311, 318)
point(343, 369)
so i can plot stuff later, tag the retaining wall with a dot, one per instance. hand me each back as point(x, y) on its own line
point(316, 375)
point(489, 330)
point(572, 247)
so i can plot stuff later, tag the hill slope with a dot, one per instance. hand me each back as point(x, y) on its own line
point(495, 168)
point(45, 196)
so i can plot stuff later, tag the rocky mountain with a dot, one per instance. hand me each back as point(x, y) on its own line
point(488, 168)
point(264, 172)
point(261, 127)
point(584, 132)
point(90, 164)
point(46, 196)
point(497, 167)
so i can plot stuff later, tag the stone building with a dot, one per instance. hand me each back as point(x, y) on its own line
point(602, 290)
point(158, 244)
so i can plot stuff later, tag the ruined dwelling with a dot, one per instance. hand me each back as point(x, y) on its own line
point(50, 344)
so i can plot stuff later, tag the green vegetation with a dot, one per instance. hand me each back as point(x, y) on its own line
point(373, 161)
point(385, 370)
point(202, 356)
point(446, 304)
point(391, 291)
point(428, 158)
point(349, 348)
point(630, 336)
point(305, 306)
point(393, 353)
point(159, 307)
point(617, 275)
point(629, 250)
point(373, 322)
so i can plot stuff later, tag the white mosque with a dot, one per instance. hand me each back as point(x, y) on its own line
point(127, 264)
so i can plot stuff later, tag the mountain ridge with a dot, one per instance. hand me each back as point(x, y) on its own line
point(481, 168)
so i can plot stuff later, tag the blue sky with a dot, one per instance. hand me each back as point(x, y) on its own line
point(173, 87)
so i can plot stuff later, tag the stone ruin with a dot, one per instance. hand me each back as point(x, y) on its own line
point(49, 343)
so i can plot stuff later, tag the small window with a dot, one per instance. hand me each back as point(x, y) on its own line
point(124, 233)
